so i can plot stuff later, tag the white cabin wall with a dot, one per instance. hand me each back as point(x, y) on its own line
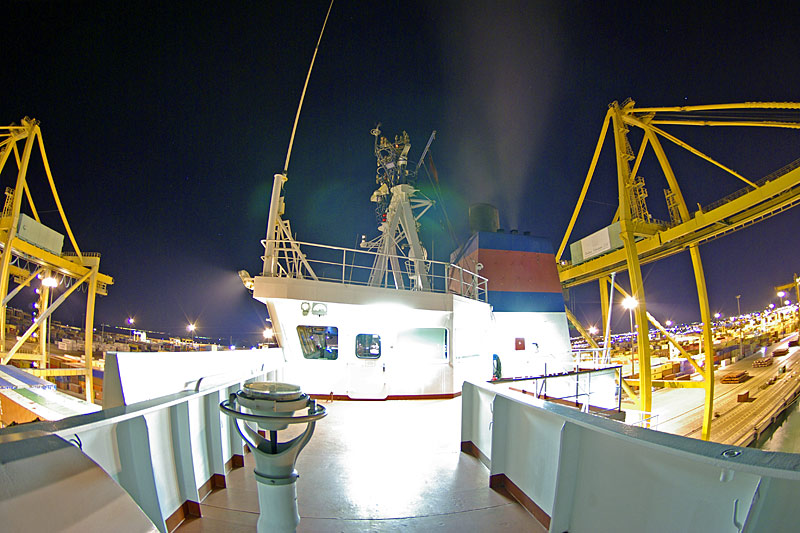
point(471, 341)
point(394, 373)
point(548, 331)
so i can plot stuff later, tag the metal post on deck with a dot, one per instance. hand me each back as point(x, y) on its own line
point(272, 406)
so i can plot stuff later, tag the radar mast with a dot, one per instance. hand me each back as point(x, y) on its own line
point(398, 208)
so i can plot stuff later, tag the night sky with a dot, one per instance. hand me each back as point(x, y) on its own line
point(164, 123)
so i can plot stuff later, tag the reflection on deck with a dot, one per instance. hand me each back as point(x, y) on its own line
point(378, 466)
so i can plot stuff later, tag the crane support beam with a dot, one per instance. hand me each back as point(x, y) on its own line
point(672, 384)
point(586, 183)
point(60, 264)
point(769, 199)
point(667, 336)
point(719, 107)
point(763, 124)
point(708, 342)
point(793, 285)
point(632, 257)
point(629, 390)
point(585, 334)
point(604, 302)
point(22, 338)
point(636, 122)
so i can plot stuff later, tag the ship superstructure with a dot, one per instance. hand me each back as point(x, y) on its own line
point(386, 321)
point(380, 321)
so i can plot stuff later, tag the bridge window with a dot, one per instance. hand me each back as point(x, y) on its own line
point(368, 346)
point(319, 342)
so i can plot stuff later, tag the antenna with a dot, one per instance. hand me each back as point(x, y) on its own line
point(302, 96)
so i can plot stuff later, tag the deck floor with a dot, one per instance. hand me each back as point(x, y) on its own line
point(378, 466)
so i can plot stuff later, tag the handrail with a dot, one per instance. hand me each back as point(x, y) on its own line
point(744, 190)
point(136, 444)
point(560, 461)
point(446, 277)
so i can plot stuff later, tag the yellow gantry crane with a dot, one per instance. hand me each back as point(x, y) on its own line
point(31, 252)
point(795, 284)
point(634, 237)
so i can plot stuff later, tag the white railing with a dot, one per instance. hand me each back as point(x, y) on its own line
point(580, 473)
point(305, 260)
point(165, 452)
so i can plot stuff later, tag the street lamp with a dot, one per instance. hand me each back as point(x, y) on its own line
point(191, 328)
point(780, 295)
point(630, 303)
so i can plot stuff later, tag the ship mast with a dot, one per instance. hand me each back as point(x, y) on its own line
point(396, 201)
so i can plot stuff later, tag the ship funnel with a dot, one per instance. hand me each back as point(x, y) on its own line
point(483, 217)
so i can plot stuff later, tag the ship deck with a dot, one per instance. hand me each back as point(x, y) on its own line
point(378, 466)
